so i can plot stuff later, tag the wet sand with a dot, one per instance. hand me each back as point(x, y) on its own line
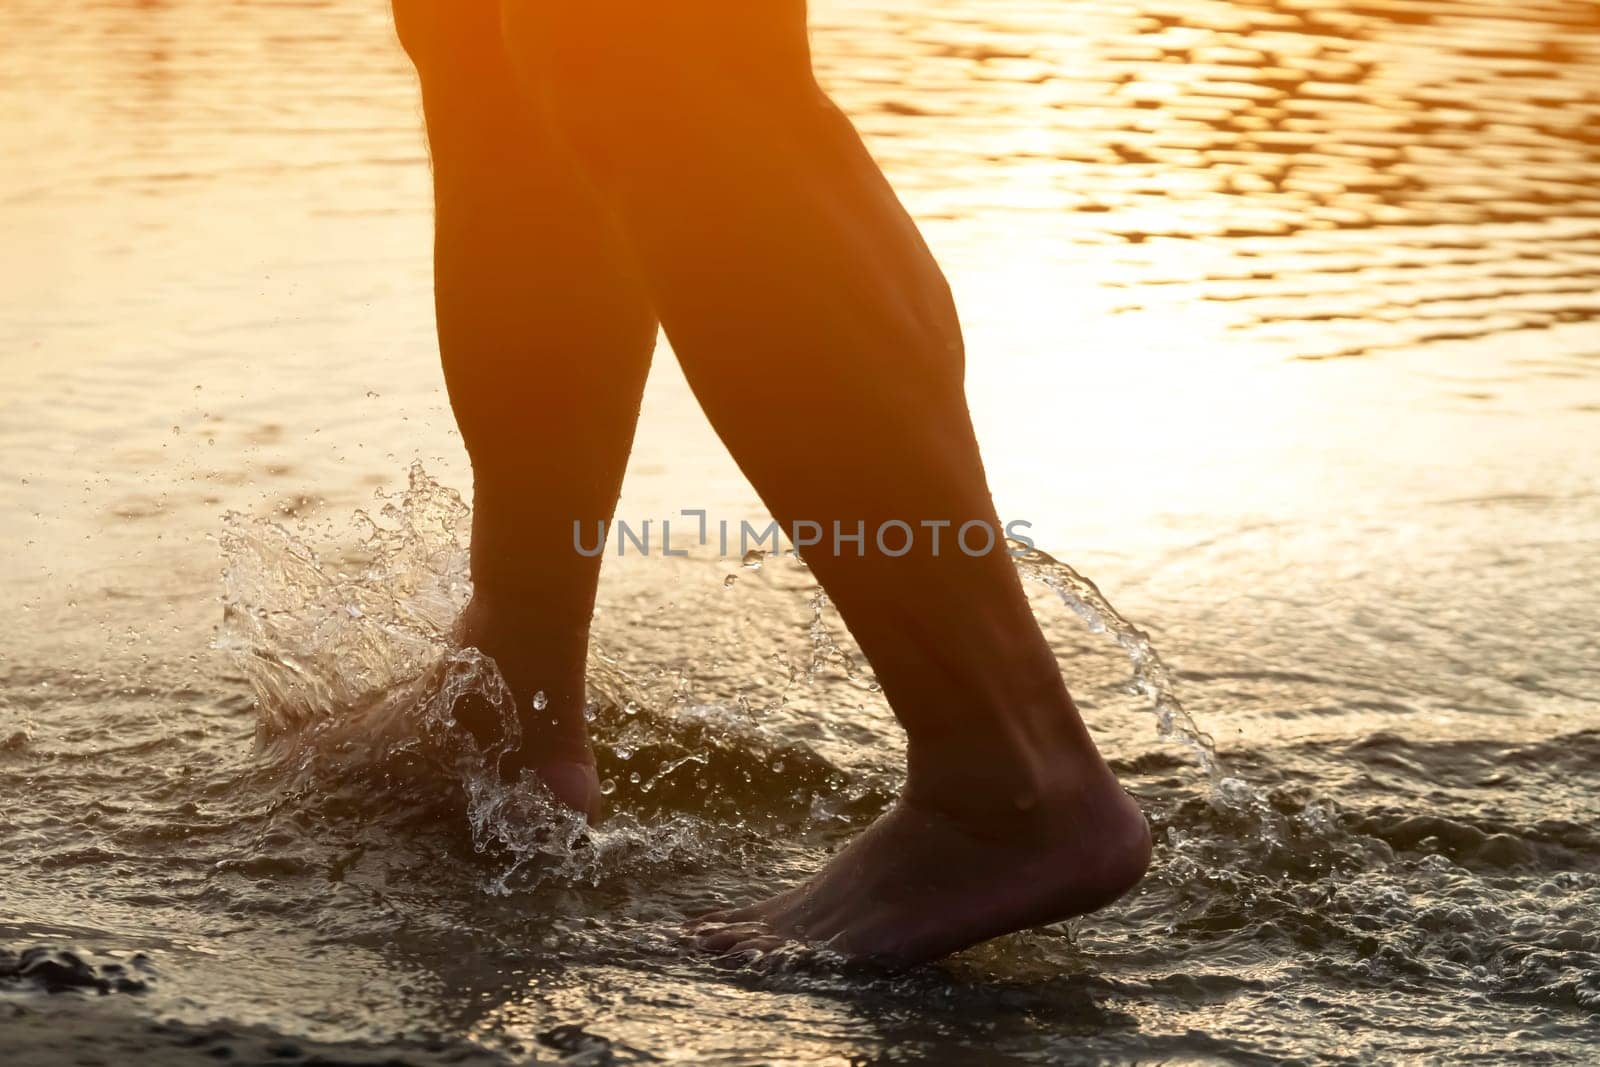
point(74, 1032)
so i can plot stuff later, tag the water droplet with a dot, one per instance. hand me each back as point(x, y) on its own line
point(729, 581)
point(753, 559)
point(631, 708)
point(608, 786)
point(634, 777)
point(777, 766)
point(372, 394)
point(540, 701)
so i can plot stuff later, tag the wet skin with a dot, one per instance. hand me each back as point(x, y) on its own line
point(600, 168)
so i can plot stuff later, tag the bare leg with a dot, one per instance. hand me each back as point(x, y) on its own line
point(546, 337)
point(820, 337)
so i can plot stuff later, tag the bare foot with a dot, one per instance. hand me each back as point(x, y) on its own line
point(549, 694)
point(922, 883)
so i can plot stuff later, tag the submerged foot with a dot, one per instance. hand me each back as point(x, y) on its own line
point(922, 883)
point(554, 737)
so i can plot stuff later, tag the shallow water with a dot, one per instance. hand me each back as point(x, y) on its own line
point(1284, 329)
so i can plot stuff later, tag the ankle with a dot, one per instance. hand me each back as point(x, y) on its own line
point(1006, 773)
point(543, 668)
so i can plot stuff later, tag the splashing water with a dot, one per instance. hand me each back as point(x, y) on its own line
point(312, 636)
point(1150, 675)
point(354, 654)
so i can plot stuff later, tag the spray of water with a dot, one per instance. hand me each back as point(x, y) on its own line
point(356, 652)
point(1150, 675)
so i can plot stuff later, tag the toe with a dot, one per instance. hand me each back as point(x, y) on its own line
point(721, 938)
point(720, 915)
point(752, 953)
point(750, 913)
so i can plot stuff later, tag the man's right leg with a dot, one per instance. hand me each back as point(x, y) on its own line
point(819, 336)
point(546, 337)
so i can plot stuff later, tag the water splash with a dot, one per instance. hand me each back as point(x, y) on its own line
point(1150, 675)
point(825, 647)
point(312, 634)
point(353, 654)
point(353, 662)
